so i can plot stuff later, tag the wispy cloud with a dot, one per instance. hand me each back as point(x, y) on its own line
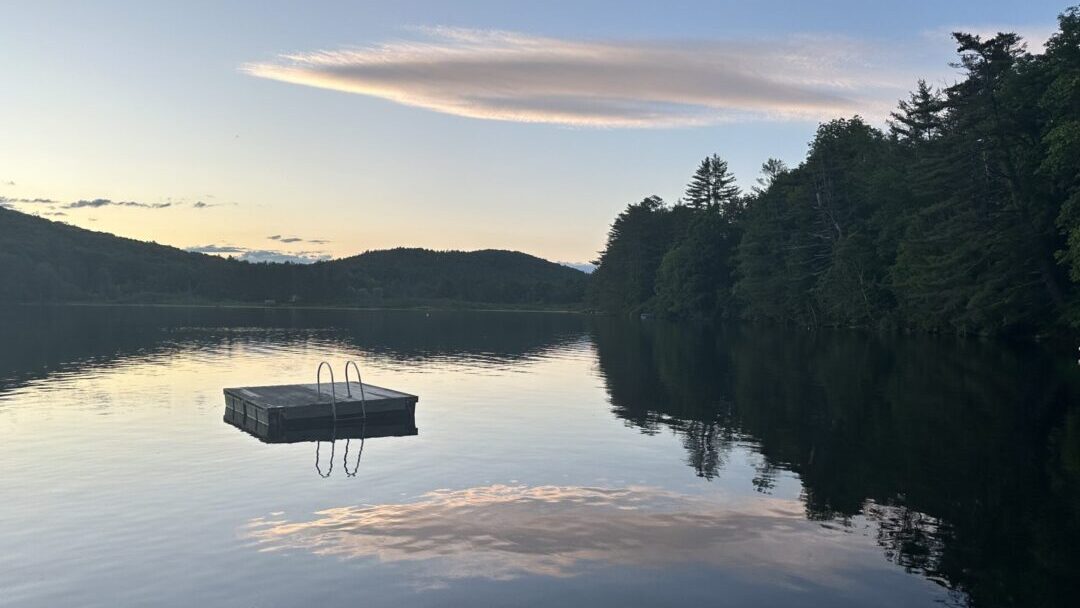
point(281, 257)
point(98, 203)
point(104, 202)
point(7, 203)
point(216, 249)
point(205, 205)
point(7, 183)
point(295, 239)
point(247, 254)
point(27, 201)
point(520, 77)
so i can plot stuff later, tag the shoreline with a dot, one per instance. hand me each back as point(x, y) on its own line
point(235, 306)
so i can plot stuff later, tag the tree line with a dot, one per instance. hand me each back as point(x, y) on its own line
point(963, 215)
point(43, 261)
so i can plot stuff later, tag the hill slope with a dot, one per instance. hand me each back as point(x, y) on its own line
point(44, 261)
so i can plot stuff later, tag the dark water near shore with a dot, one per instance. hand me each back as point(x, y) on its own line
point(560, 460)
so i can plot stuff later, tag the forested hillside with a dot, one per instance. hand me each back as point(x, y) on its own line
point(43, 261)
point(962, 216)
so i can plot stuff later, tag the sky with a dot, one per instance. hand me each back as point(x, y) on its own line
point(308, 130)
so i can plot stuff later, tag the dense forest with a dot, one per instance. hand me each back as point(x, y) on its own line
point(963, 215)
point(44, 261)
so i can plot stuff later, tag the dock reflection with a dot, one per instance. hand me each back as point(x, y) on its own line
point(324, 429)
point(329, 431)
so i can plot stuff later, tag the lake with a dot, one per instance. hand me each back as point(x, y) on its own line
point(559, 460)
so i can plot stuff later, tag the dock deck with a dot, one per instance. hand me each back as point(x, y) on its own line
point(261, 407)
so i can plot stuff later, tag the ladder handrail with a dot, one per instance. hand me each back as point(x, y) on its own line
point(333, 390)
point(363, 412)
point(333, 413)
point(348, 389)
point(318, 469)
point(345, 459)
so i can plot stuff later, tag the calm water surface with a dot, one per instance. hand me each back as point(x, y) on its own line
point(560, 460)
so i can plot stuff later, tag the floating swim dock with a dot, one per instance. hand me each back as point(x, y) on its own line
point(265, 410)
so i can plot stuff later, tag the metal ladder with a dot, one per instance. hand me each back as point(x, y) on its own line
point(333, 414)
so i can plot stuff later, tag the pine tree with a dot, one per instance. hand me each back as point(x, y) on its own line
point(918, 119)
point(712, 186)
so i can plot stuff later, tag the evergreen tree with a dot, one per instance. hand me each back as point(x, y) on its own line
point(712, 186)
point(918, 119)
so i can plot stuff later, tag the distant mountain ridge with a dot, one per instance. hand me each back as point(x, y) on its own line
point(586, 267)
point(45, 261)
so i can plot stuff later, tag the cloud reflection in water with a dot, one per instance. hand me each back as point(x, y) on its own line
point(504, 532)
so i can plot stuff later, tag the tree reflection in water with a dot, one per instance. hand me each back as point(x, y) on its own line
point(964, 454)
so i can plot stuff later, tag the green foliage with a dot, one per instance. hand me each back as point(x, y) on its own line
point(639, 238)
point(822, 222)
point(963, 217)
point(694, 278)
point(1061, 135)
point(43, 261)
point(979, 252)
